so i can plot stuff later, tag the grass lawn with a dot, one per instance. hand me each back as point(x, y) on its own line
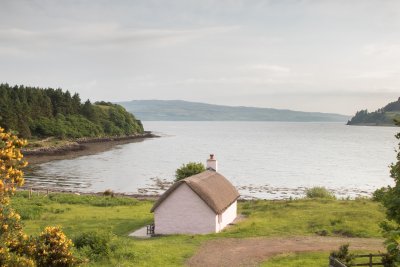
point(315, 259)
point(120, 216)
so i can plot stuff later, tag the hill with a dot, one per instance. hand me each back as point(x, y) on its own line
point(385, 116)
point(178, 110)
point(39, 113)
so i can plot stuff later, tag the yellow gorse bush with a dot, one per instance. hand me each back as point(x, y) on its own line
point(52, 247)
point(11, 163)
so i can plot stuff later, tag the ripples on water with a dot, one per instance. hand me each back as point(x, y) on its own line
point(263, 159)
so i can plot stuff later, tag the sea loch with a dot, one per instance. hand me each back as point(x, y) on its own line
point(262, 159)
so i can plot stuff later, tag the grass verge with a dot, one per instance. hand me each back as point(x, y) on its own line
point(121, 215)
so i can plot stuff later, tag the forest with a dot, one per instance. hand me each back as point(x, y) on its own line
point(34, 112)
point(383, 116)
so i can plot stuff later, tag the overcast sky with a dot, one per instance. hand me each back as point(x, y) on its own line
point(329, 56)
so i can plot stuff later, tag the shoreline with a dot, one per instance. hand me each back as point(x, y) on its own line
point(44, 190)
point(81, 147)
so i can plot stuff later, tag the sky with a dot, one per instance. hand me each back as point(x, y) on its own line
point(329, 56)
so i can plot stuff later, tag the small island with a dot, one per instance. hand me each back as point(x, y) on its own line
point(386, 116)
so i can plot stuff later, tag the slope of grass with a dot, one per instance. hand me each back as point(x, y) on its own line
point(119, 216)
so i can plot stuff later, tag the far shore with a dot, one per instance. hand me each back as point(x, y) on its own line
point(81, 147)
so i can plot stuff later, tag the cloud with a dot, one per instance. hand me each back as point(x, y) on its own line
point(382, 50)
point(111, 34)
point(268, 68)
point(379, 74)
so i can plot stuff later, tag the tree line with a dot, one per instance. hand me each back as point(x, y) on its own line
point(385, 115)
point(39, 112)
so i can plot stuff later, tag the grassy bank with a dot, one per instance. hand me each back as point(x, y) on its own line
point(116, 217)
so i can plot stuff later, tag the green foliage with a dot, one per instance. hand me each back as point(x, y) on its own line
point(379, 194)
point(319, 192)
point(52, 248)
point(390, 198)
point(266, 218)
point(189, 169)
point(108, 192)
point(343, 255)
point(392, 243)
point(72, 126)
point(35, 112)
point(383, 116)
point(94, 245)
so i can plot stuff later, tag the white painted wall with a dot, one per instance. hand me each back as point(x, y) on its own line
point(213, 164)
point(226, 217)
point(184, 212)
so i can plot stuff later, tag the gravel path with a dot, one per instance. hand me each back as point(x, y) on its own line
point(251, 251)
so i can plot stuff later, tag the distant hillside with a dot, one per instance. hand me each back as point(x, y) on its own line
point(381, 117)
point(178, 110)
point(37, 113)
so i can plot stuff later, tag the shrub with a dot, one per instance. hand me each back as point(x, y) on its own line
point(319, 192)
point(94, 245)
point(108, 192)
point(53, 248)
point(322, 232)
point(343, 255)
point(379, 194)
point(189, 169)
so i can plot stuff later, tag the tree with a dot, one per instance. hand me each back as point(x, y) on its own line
point(189, 169)
point(36, 112)
point(390, 198)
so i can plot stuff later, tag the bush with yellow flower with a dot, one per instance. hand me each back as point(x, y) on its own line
point(51, 247)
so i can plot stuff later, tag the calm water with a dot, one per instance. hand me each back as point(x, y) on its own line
point(263, 159)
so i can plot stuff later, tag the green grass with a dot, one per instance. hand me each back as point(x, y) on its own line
point(309, 259)
point(315, 259)
point(353, 218)
point(319, 192)
point(77, 214)
point(121, 215)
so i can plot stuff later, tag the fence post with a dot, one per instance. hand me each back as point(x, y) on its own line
point(30, 193)
point(370, 260)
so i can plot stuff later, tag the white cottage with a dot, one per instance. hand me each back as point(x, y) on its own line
point(200, 204)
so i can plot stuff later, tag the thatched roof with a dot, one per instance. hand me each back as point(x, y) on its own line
point(213, 188)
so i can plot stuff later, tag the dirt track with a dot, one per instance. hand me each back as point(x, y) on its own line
point(251, 251)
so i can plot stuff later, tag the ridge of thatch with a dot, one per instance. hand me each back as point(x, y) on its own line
point(213, 188)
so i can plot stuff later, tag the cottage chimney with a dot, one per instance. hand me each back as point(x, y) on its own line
point(212, 163)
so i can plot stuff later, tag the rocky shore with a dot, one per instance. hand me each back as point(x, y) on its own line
point(80, 147)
